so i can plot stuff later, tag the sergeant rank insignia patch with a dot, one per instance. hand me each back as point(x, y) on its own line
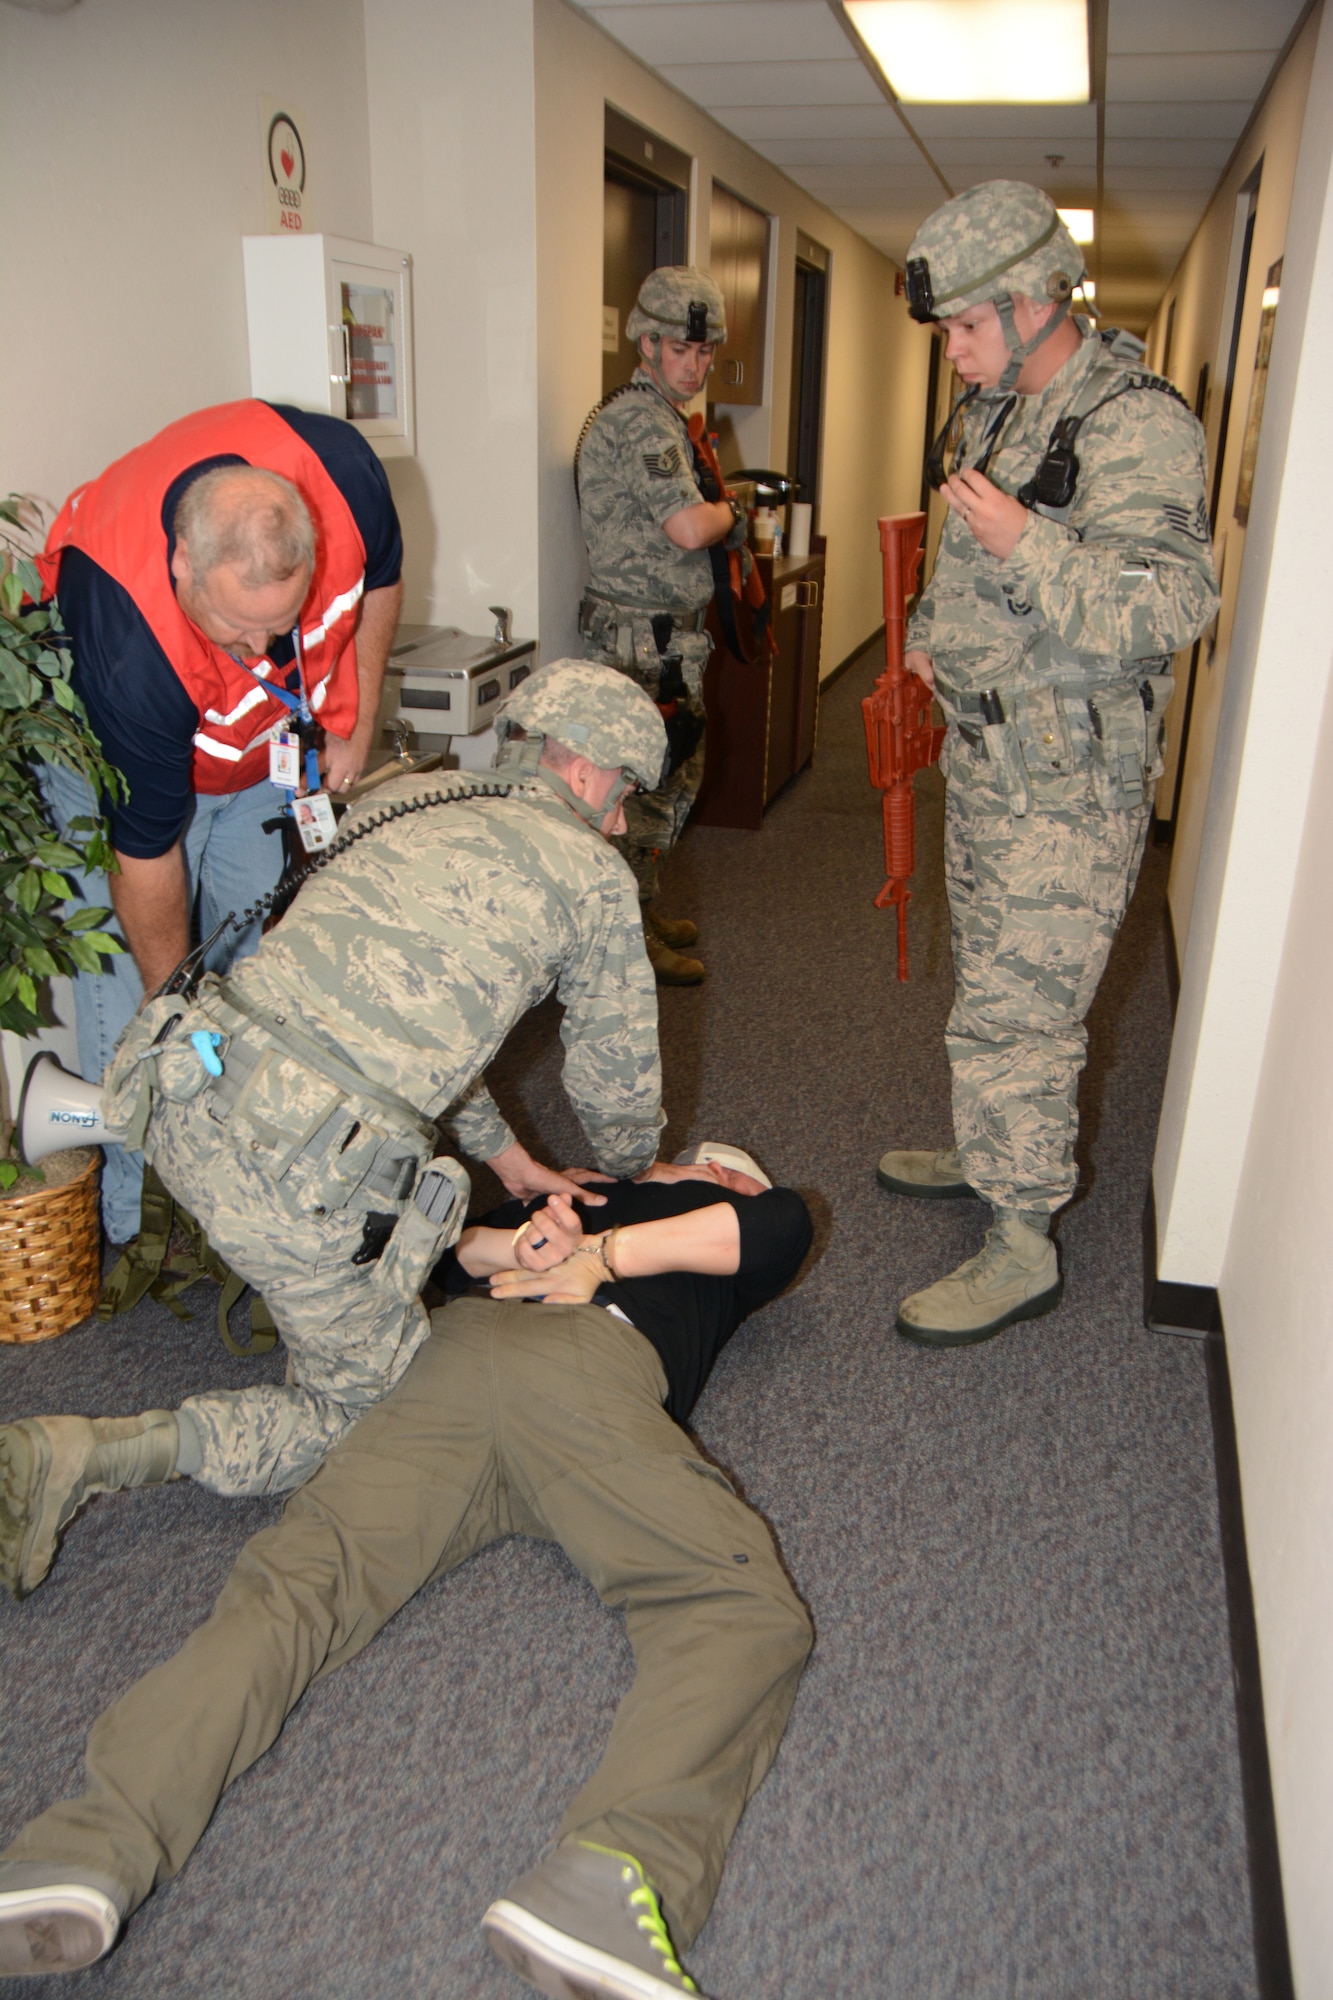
point(663, 464)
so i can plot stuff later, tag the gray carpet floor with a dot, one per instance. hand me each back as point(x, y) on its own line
point(1012, 1766)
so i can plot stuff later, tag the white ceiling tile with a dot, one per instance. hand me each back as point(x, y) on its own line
point(592, 7)
point(773, 83)
point(1181, 178)
point(1052, 122)
point(1210, 153)
point(760, 122)
point(1150, 27)
point(729, 31)
point(1182, 78)
point(901, 221)
point(879, 154)
point(1149, 210)
point(859, 182)
point(1144, 247)
point(1012, 159)
point(1171, 121)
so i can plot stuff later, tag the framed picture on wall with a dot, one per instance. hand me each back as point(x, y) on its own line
point(1258, 387)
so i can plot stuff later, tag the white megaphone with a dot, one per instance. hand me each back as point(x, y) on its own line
point(57, 1111)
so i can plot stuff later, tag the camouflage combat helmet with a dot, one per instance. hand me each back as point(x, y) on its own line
point(990, 244)
point(679, 303)
point(594, 711)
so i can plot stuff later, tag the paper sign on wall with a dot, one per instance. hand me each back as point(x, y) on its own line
point(286, 192)
point(610, 330)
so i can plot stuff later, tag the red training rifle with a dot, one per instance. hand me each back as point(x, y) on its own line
point(900, 736)
point(732, 585)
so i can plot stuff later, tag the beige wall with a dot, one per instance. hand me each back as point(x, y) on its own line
point(131, 159)
point(479, 131)
point(132, 167)
point(1198, 289)
point(450, 88)
point(1277, 1292)
point(1241, 1175)
point(877, 359)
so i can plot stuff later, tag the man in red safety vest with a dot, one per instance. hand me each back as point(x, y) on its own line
point(185, 574)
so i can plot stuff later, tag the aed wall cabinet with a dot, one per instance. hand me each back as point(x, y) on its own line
point(331, 329)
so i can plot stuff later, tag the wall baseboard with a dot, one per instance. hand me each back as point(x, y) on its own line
point(835, 673)
point(1192, 1310)
point(1196, 1310)
point(1268, 1915)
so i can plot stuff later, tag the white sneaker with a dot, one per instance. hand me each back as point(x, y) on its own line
point(55, 1919)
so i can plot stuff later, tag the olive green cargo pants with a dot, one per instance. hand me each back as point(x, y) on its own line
point(512, 1419)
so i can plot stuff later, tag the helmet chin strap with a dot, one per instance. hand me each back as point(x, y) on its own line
point(524, 759)
point(654, 367)
point(1019, 350)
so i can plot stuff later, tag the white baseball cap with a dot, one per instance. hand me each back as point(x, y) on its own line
point(712, 1152)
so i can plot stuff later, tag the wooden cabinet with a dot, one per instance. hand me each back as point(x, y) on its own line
point(762, 719)
point(738, 259)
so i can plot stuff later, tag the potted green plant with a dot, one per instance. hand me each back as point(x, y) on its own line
point(41, 721)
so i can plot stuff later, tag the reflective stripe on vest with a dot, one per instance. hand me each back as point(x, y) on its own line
point(117, 521)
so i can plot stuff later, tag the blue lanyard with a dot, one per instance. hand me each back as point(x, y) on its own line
point(297, 704)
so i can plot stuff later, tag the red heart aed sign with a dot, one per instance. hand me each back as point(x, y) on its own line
point(288, 162)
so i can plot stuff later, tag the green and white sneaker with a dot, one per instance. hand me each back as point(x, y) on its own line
point(55, 1919)
point(1016, 1275)
point(928, 1176)
point(587, 1925)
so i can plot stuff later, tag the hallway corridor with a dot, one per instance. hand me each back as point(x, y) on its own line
point(1011, 1773)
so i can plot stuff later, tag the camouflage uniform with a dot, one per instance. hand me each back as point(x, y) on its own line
point(635, 471)
point(410, 957)
point(1079, 619)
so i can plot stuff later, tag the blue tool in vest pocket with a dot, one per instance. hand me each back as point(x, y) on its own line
point(206, 1048)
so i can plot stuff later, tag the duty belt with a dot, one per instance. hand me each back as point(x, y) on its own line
point(326, 1062)
point(989, 705)
point(685, 621)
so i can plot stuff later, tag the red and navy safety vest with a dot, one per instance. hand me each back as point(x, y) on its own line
point(117, 521)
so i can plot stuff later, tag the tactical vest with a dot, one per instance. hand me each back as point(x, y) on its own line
point(1045, 657)
point(1057, 710)
point(117, 521)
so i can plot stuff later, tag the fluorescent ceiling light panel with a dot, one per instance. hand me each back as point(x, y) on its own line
point(978, 51)
point(1079, 222)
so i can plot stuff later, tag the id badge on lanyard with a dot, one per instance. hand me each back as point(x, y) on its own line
point(313, 814)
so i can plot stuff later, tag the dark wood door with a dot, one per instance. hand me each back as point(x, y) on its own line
point(739, 261)
point(629, 253)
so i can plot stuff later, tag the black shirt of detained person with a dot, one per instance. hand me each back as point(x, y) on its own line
point(686, 1315)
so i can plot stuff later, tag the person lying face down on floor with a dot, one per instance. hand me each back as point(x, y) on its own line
point(476, 1442)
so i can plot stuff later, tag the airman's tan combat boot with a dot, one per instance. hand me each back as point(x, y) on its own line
point(930, 1176)
point(675, 931)
point(50, 1465)
point(669, 967)
point(1015, 1275)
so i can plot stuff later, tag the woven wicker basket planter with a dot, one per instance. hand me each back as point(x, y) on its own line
point(50, 1256)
